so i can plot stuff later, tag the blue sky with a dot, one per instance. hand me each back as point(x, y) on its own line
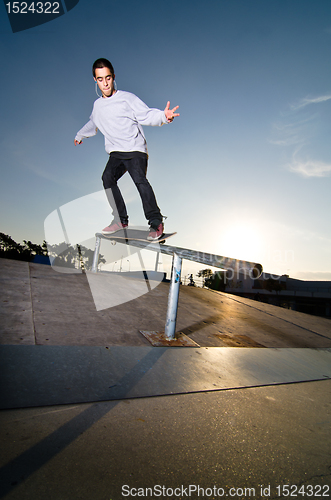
point(244, 172)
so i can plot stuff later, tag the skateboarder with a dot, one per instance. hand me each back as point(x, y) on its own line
point(119, 116)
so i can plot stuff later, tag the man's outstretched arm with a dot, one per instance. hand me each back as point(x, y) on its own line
point(170, 113)
point(87, 131)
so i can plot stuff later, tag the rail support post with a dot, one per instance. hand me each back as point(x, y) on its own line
point(96, 253)
point(170, 327)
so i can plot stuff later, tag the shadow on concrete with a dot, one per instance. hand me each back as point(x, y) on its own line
point(19, 469)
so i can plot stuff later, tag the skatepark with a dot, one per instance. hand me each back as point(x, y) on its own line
point(90, 409)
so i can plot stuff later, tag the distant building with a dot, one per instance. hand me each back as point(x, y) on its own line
point(312, 297)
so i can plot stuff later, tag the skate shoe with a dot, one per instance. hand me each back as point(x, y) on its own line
point(156, 232)
point(113, 228)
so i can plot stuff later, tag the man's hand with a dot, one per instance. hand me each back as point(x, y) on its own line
point(77, 142)
point(170, 113)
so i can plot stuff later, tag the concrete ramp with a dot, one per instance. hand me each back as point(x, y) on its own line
point(40, 306)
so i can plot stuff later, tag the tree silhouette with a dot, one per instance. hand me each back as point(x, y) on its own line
point(36, 249)
point(205, 274)
point(9, 249)
point(79, 257)
point(217, 281)
point(61, 254)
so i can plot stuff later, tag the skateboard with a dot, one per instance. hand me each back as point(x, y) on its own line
point(136, 234)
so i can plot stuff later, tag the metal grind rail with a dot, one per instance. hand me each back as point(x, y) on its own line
point(252, 269)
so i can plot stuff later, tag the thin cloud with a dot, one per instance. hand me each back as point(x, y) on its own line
point(297, 130)
point(296, 133)
point(310, 168)
point(309, 100)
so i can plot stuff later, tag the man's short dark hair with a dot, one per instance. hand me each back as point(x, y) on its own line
point(102, 63)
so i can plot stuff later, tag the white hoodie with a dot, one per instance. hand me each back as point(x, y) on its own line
point(120, 118)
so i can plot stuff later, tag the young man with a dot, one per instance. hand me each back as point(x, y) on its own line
point(119, 116)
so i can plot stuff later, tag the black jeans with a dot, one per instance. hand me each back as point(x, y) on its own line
point(137, 168)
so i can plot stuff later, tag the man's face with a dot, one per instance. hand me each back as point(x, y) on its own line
point(105, 81)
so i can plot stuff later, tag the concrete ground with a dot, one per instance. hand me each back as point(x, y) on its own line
point(270, 436)
point(270, 441)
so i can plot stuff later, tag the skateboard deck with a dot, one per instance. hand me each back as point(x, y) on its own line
point(136, 234)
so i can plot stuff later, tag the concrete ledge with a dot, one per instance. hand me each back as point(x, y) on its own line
point(53, 375)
